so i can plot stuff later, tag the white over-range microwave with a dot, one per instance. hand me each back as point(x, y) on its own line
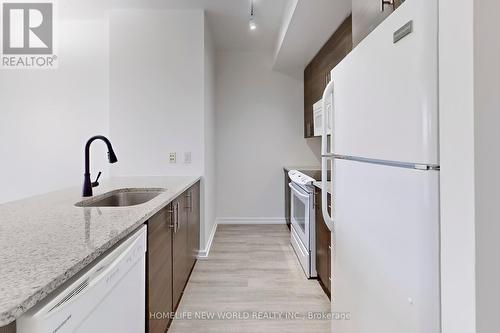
point(318, 118)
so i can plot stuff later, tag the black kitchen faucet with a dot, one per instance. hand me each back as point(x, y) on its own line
point(87, 183)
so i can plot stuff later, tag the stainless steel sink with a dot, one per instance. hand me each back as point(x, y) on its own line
point(122, 198)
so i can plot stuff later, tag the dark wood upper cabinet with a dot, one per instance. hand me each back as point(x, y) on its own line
point(159, 271)
point(317, 72)
point(368, 14)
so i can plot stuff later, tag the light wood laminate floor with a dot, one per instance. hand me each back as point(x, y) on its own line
point(251, 271)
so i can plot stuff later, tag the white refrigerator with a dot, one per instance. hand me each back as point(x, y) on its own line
point(384, 157)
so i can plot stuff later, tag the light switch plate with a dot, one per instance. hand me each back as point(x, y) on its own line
point(173, 157)
point(187, 157)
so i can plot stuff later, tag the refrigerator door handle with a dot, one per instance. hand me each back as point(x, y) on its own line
point(324, 192)
point(327, 156)
point(324, 133)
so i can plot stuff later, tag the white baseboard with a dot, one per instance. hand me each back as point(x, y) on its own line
point(236, 220)
point(251, 220)
point(206, 251)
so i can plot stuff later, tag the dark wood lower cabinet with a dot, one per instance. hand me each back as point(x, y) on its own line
point(181, 261)
point(159, 271)
point(173, 243)
point(193, 223)
point(11, 328)
point(287, 200)
point(323, 241)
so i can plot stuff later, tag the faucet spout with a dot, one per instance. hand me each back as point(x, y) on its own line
point(87, 183)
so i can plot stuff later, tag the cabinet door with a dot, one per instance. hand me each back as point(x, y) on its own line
point(322, 247)
point(159, 271)
point(180, 259)
point(368, 14)
point(193, 198)
point(11, 328)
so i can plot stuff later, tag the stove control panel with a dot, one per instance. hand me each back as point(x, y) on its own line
point(300, 178)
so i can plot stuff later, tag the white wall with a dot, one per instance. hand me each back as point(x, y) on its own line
point(209, 181)
point(156, 101)
point(162, 97)
point(47, 115)
point(457, 165)
point(259, 121)
point(487, 139)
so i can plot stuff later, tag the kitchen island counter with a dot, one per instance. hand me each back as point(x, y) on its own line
point(46, 239)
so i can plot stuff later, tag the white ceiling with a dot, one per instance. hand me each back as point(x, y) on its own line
point(307, 26)
point(228, 20)
point(291, 32)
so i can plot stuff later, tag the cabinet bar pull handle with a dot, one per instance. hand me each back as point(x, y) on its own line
point(177, 217)
point(190, 205)
point(172, 218)
point(390, 3)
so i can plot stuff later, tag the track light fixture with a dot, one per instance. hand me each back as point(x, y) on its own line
point(252, 25)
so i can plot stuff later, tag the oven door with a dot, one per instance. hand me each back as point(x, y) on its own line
point(300, 213)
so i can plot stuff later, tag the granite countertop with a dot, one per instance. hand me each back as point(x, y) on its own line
point(46, 239)
point(320, 186)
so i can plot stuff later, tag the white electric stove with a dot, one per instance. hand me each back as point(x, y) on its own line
point(303, 234)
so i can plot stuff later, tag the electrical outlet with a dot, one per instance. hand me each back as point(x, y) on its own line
point(187, 157)
point(173, 157)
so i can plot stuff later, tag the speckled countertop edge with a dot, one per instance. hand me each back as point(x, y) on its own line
point(311, 168)
point(320, 185)
point(19, 291)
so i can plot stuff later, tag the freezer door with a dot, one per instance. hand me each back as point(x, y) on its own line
point(385, 264)
point(386, 93)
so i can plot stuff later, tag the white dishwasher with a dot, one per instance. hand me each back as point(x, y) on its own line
point(108, 297)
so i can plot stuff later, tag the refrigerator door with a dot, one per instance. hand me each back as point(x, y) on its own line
point(385, 266)
point(386, 92)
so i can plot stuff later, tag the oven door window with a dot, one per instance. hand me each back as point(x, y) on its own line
point(299, 213)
